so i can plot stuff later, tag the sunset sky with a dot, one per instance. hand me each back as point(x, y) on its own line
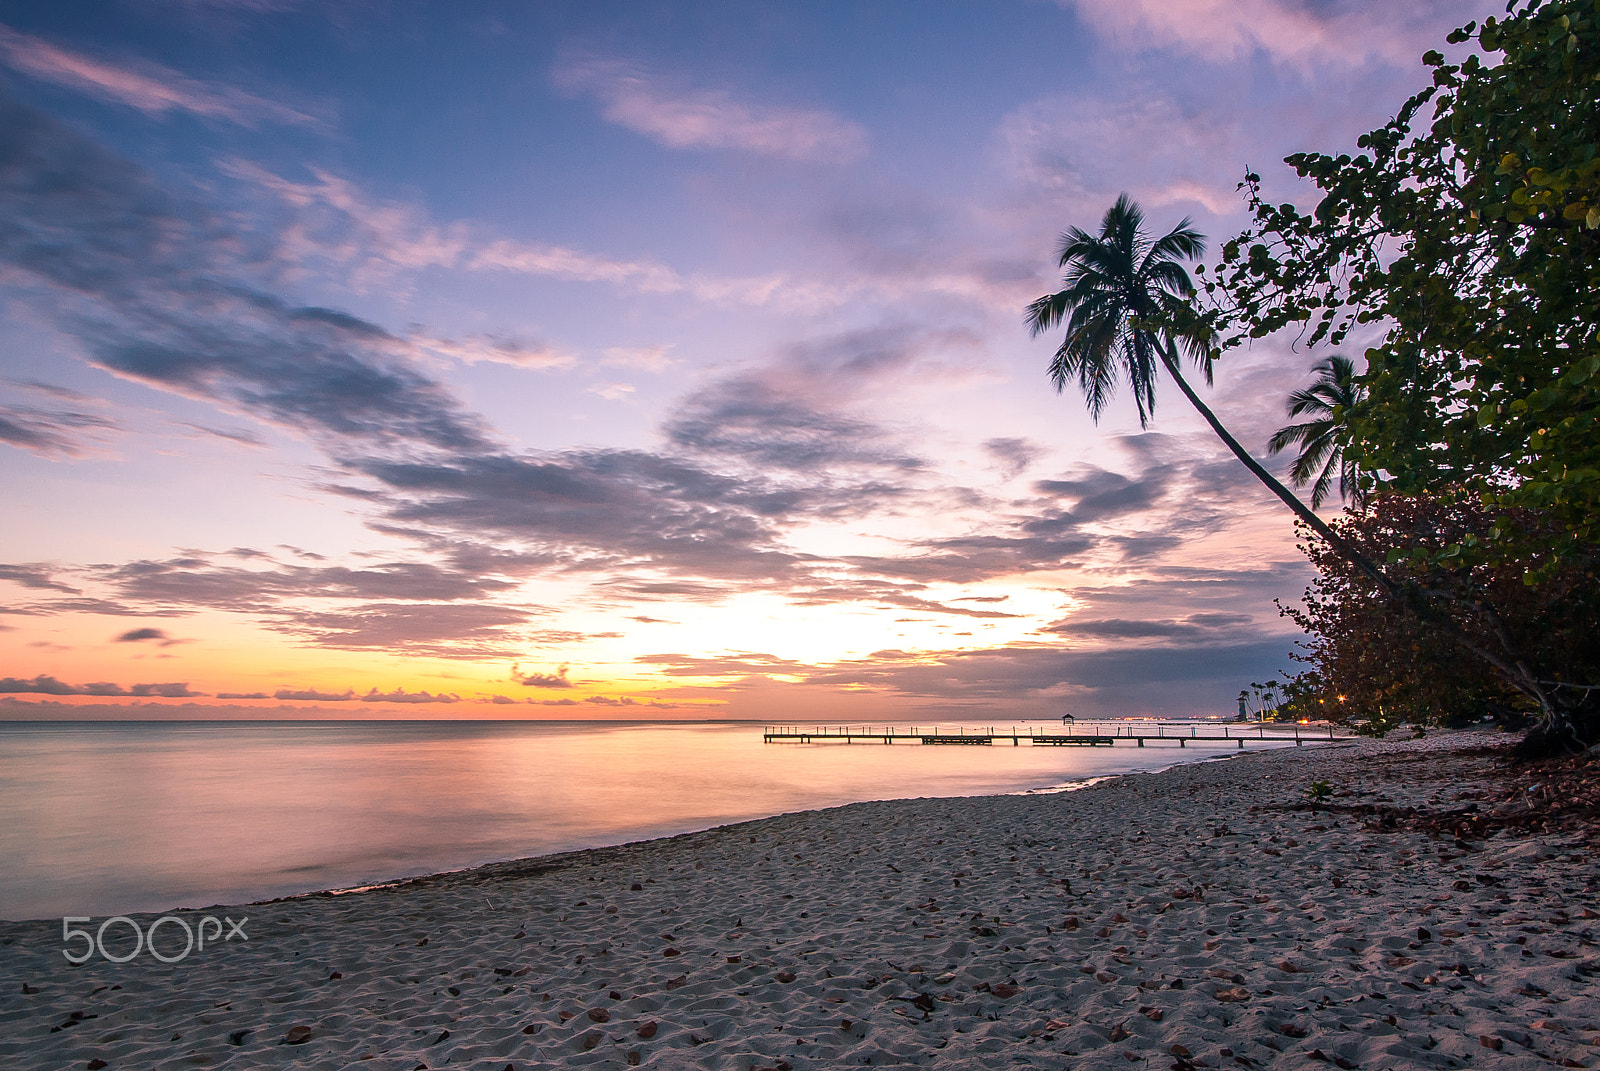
point(586, 359)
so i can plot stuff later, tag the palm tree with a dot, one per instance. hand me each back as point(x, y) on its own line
point(1123, 295)
point(1335, 391)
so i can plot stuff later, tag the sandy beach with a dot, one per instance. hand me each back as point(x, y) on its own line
point(1203, 916)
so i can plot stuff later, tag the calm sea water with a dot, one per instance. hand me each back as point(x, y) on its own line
point(102, 818)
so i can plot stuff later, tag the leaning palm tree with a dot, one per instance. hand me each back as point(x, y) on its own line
point(1333, 394)
point(1123, 295)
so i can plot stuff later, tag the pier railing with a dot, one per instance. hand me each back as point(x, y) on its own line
point(1076, 734)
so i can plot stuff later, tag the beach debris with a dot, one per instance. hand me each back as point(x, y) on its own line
point(634, 1058)
point(1103, 932)
point(1491, 1042)
point(72, 1020)
point(591, 1039)
point(785, 976)
point(1286, 967)
point(599, 1015)
point(1155, 1015)
point(1120, 1032)
point(237, 1037)
point(1290, 1030)
point(564, 1016)
point(443, 1035)
point(422, 943)
point(1233, 995)
point(533, 1028)
point(1104, 977)
point(296, 1035)
point(29, 990)
point(334, 976)
point(670, 952)
point(1180, 1051)
point(735, 959)
point(674, 983)
point(1003, 991)
point(1070, 922)
point(845, 1024)
point(1223, 974)
point(648, 1030)
point(96, 1064)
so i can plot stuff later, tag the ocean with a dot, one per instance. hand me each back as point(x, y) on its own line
point(102, 818)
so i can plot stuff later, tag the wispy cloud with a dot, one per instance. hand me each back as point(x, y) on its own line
point(472, 631)
point(159, 289)
point(1343, 32)
point(378, 240)
point(140, 635)
point(1164, 153)
point(689, 117)
point(1014, 455)
point(148, 87)
point(50, 432)
point(48, 685)
point(476, 349)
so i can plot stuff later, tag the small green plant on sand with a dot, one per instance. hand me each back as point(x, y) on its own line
point(1319, 792)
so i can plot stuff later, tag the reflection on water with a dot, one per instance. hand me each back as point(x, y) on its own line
point(100, 818)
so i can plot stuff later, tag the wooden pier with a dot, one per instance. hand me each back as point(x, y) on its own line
point(1081, 734)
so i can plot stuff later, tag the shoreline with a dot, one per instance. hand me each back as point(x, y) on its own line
point(536, 860)
point(1200, 915)
point(73, 848)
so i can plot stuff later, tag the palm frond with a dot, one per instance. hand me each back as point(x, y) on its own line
point(1334, 392)
point(1117, 307)
point(1182, 242)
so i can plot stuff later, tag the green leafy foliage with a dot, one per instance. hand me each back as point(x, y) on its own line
point(1467, 233)
point(1460, 247)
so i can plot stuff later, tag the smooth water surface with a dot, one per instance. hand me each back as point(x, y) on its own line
point(102, 818)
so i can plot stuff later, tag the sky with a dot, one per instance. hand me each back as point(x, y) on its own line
point(645, 360)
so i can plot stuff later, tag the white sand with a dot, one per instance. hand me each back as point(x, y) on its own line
point(919, 931)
